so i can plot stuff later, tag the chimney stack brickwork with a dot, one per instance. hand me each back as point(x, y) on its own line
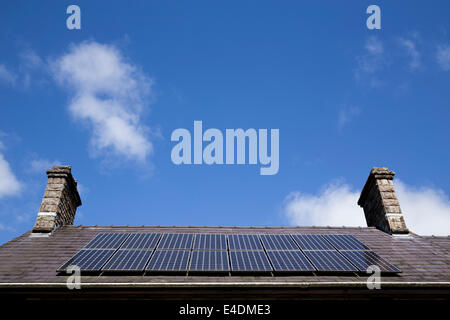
point(380, 203)
point(60, 200)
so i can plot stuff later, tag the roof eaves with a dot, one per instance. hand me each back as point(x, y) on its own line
point(273, 284)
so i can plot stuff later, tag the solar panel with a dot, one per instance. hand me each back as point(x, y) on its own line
point(141, 241)
point(329, 261)
point(312, 242)
point(209, 261)
point(169, 260)
point(89, 260)
point(135, 252)
point(128, 260)
point(107, 241)
point(249, 261)
point(210, 242)
point(363, 259)
point(278, 242)
point(176, 241)
point(345, 242)
point(289, 261)
point(244, 242)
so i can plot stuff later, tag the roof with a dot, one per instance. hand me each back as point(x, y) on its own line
point(34, 260)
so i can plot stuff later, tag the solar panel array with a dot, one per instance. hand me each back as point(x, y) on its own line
point(190, 252)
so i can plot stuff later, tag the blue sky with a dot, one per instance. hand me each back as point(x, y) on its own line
point(343, 97)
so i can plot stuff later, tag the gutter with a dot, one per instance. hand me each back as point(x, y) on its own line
point(306, 285)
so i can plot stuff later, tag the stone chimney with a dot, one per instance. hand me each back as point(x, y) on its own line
point(60, 201)
point(380, 204)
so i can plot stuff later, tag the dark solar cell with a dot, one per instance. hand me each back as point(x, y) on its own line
point(107, 241)
point(278, 242)
point(289, 261)
point(169, 260)
point(244, 242)
point(312, 242)
point(364, 259)
point(345, 242)
point(141, 241)
point(209, 261)
point(249, 261)
point(89, 260)
point(128, 260)
point(176, 241)
point(210, 242)
point(329, 261)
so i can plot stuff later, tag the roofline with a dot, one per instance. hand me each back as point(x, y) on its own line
point(224, 227)
point(317, 284)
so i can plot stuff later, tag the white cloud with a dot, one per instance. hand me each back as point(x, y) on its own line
point(411, 50)
point(346, 115)
point(370, 62)
point(335, 205)
point(41, 165)
point(109, 94)
point(25, 73)
point(22, 218)
point(374, 46)
point(29, 64)
point(7, 76)
point(6, 228)
point(443, 57)
point(30, 59)
point(82, 189)
point(426, 210)
point(9, 185)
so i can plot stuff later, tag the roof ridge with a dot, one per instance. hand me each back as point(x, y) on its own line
point(218, 226)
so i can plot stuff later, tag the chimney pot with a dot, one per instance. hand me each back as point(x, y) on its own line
point(380, 203)
point(60, 201)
